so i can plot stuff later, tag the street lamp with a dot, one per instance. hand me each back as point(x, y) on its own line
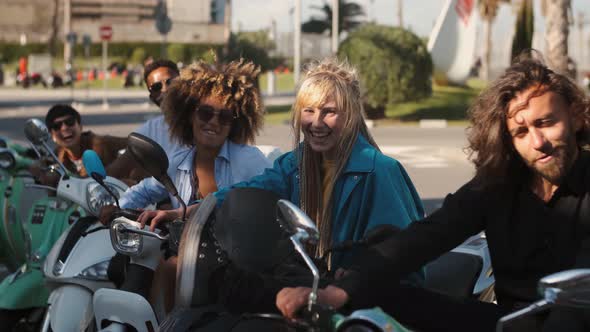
point(297, 41)
point(335, 31)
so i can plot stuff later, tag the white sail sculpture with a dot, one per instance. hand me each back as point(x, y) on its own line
point(453, 39)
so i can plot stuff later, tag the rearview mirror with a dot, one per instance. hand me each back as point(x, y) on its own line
point(294, 220)
point(148, 153)
point(36, 131)
point(93, 164)
point(569, 288)
point(152, 158)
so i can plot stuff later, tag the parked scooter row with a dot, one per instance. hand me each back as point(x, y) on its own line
point(82, 297)
point(25, 292)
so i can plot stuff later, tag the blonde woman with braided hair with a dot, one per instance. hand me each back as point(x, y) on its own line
point(335, 173)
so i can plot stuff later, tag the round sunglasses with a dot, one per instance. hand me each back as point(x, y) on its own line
point(224, 116)
point(56, 125)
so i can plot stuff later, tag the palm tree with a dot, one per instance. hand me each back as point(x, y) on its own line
point(488, 9)
point(524, 28)
point(557, 15)
point(350, 16)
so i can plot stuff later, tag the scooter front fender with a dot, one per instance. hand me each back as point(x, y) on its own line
point(124, 308)
point(70, 308)
point(23, 289)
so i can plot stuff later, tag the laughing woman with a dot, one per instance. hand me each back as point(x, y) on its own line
point(336, 174)
point(213, 113)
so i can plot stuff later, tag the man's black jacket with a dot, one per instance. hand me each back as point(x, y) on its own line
point(520, 255)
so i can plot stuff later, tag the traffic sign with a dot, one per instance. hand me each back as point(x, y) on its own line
point(71, 37)
point(164, 25)
point(86, 40)
point(105, 32)
point(163, 21)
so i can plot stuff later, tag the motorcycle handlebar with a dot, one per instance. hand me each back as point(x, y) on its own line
point(133, 214)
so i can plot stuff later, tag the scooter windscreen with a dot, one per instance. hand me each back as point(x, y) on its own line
point(244, 230)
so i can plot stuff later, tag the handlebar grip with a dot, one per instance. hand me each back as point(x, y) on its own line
point(130, 214)
point(133, 214)
point(161, 226)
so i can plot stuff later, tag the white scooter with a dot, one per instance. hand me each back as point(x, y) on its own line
point(126, 308)
point(77, 264)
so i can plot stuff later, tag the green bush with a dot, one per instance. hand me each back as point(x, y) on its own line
point(10, 52)
point(139, 54)
point(393, 63)
point(176, 52)
point(254, 46)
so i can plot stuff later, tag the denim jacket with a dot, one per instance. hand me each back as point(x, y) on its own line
point(234, 163)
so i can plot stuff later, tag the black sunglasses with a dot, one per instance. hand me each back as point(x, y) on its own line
point(206, 113)
point(68, 122)
point(157, 87)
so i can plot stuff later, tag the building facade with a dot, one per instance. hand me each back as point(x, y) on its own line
point(35, 21)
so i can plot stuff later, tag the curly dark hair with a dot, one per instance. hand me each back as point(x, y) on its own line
point(234, 84)
point(159, 64)
point(490, 144)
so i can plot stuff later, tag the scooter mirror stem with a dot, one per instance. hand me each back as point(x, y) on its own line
point(99, 179)
point(183, 204)
point(296, 239)
point(536, 307)
point(62, 168)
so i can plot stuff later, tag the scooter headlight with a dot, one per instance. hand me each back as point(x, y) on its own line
point(7, 159)
point(96, 272)
point(123, 240)
point(98, 197)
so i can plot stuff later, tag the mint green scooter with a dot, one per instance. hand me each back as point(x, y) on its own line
point(15, 160)
point(32, 219)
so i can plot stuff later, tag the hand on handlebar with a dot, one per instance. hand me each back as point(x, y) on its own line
point(106, 214)
point(153, 218)
point(290, 300)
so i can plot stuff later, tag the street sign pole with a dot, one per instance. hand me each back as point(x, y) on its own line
point(106, 33)
point(71, 40)
point(87, 41)
point(105, 103)
point(297, 42)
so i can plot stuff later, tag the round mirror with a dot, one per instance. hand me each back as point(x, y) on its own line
point(293, 219)
point(36, 131)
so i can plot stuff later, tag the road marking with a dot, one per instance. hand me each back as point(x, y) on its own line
point(415, 156)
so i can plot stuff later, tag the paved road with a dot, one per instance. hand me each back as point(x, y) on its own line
point(16, 97)
point(433, 157)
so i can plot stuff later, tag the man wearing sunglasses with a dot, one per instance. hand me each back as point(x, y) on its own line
point(157, 76)
point(64, 124)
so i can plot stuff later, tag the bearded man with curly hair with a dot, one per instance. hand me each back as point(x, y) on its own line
point(531, 196)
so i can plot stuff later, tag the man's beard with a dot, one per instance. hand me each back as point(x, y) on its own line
point(555, 170)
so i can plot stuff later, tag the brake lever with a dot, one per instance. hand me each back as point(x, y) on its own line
point(146, 233)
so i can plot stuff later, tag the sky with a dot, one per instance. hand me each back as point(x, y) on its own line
point(418, 15)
